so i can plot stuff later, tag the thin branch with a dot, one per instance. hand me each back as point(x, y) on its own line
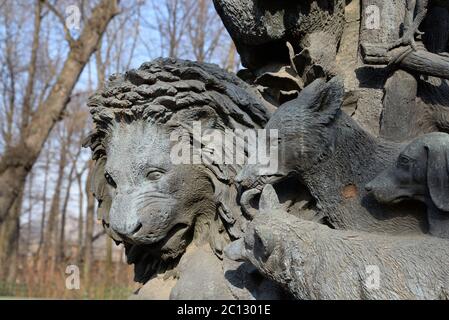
point(98, 235)
point(61, 18)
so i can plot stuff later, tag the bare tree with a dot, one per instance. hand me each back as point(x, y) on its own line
point(44, 200)
point(30, 212)
point(46, 75)
point(171, 18)
point(204, 30)
point(21, 150)
point(190, 29)
point(9, 235)
point(79, 181)
point(51, 229)
point(230, 61)
point(19, 158)
point(29, 89)
point(75, 125)
point(90, 218)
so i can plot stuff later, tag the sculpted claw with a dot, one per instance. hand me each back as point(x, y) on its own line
point(245, 199)
point(411, 25)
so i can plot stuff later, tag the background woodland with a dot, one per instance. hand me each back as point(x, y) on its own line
point(49, 66)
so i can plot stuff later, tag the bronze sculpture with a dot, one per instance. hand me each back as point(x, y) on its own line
point(309, 230)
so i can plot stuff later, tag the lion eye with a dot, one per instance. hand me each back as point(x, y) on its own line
point(109, 180)
point(154, 175)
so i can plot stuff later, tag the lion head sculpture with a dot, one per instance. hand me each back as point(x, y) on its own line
point(153, 206)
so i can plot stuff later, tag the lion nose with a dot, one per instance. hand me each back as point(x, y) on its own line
point(128, 230)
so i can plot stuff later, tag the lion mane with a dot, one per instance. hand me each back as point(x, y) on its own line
point(173, 93)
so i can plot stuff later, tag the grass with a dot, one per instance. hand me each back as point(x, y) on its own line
point(50, 283)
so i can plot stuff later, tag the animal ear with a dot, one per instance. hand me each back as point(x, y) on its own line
point(329, 100)
point(269, 199)
point(438, 175)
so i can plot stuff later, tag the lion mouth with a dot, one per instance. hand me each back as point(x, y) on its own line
point(175, 233)
point(400, 199)
point(392, 199)
point(158, 241)
point(152, 257)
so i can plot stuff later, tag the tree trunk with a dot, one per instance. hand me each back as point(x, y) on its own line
point(44, 204)
point(9, 241)
point(230, 65)
point(60, 250)
point(30, 213)
point(109, 263)
point(18, 160)
point(27, 100)
point(80, 217)
point(90, 216)
point(49, 235)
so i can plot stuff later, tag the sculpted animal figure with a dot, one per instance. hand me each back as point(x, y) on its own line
point(260, 29)
point(412, 22)
point(333, 158)
point(174, 219)
point(421, 173)
point(313, 261)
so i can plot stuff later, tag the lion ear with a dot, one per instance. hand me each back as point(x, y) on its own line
point(98, 181)
point(438, 175)
point(269, 199)
point(98, 186)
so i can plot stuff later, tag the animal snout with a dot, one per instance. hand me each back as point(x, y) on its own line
point(123, 216)
point(369, 187)
point(127, 230)
point(377, 184)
